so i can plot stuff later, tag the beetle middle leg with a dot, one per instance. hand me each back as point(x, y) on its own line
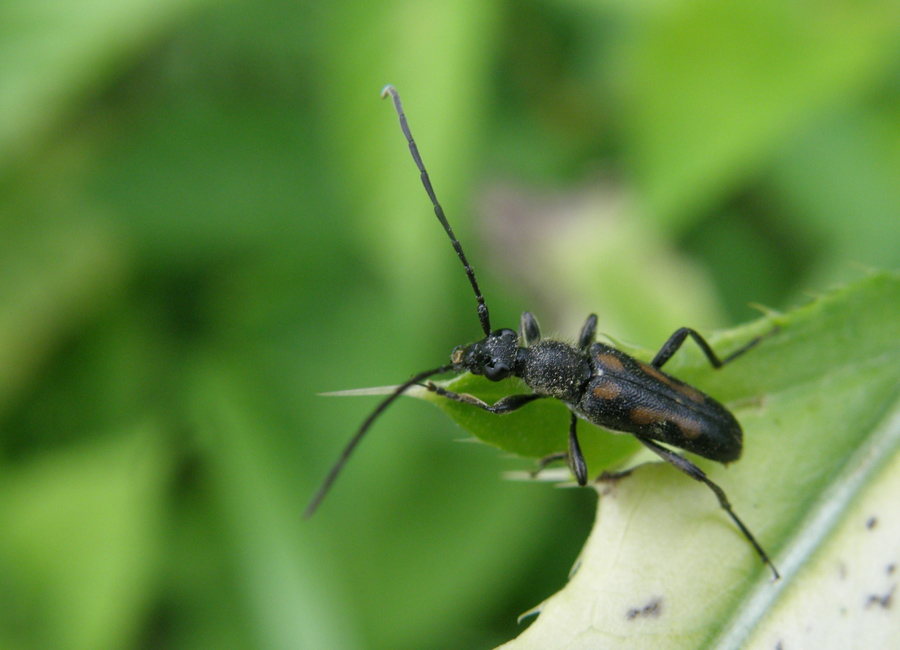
point(698, 474)
point(588, 332)
point(671, 346)
point(529, 330)
point(574, 457)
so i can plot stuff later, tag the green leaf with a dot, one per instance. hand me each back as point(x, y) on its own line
point(52, 52)
point(713, 88)
point(51, 282)
point(664, 566)
point(283, 589)
point(81, 536)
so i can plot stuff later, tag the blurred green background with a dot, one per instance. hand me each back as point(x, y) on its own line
point(208, 217)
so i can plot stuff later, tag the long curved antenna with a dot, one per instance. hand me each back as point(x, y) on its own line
point(483, 315)
point(338, 466)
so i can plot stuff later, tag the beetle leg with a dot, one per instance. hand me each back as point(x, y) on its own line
point(546, 460)
point(698, 474)
point(588, 332)
point(506, 404)
point(529, 330)
point(674, 343)
point(575, 458)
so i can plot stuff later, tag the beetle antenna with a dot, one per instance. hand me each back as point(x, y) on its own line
point(483, 316)
point(339, 465)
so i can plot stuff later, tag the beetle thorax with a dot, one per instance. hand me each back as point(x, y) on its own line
point(555, 368)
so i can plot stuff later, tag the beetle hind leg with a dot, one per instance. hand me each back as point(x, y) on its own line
point(675, 341)
point(698, 474)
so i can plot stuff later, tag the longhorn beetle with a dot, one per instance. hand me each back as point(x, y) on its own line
point(597, 382)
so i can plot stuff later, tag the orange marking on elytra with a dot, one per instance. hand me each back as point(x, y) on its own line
point(690, 428)
point(606, 390)
point(691, 393)
point(656, 373)
point(610, 363)
point(643, 415)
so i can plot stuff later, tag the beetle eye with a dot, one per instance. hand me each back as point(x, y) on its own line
point(496, 371)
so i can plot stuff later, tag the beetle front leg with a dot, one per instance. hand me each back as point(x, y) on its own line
point(506, 404)
point(698, 474)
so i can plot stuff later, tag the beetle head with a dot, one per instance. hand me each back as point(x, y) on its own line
point(494, 356)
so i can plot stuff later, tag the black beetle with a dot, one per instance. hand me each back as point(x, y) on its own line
point(597, 382)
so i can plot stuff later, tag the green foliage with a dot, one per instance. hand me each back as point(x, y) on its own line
point(208, 217)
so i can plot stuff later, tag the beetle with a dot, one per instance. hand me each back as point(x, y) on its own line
point(598, 383)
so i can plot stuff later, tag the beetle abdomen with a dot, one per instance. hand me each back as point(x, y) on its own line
point(626, 395)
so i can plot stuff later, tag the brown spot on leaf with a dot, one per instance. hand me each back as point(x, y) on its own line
point(653, 609)
point(884, 601)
